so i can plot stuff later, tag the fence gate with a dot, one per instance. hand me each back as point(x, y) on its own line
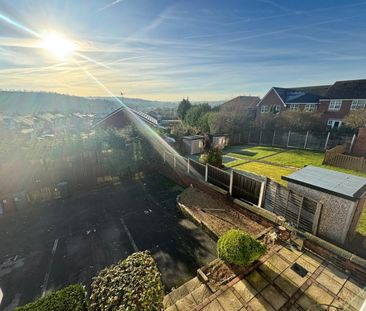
point(299, 211)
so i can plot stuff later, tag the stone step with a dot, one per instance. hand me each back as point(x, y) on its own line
point(192, 299)
point(187, 296)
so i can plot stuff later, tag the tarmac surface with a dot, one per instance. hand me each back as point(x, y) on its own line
point(67, 241)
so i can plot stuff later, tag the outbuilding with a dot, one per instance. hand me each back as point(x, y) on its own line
point(193, 144)
point(342, 198)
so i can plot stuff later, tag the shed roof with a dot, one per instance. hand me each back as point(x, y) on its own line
point(340, 184)
point(194, 137)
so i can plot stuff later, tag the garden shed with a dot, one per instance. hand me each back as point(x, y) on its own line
point(193, 144)
point(342, 197)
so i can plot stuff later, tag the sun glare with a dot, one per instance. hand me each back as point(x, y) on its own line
point(58, 45)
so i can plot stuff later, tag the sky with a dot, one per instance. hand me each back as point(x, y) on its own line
point(170, 49)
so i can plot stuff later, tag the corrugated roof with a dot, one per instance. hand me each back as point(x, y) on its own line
point(340, 184)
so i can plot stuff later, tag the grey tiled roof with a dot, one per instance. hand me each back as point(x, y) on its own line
point(351, 89)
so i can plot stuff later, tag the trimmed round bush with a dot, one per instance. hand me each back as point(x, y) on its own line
point(239, 248)
point(70, 298)
point(132, 284)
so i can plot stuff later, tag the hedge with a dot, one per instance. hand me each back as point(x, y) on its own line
point(240, 248)
point(70, 298)
point(131, 284)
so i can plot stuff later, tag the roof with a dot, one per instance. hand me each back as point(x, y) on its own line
point(339, 184)
point(194, 137)
point(308, 94)
point(351, 89)
point(240, 103)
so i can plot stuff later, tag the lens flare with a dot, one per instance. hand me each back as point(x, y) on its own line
point(58, 45)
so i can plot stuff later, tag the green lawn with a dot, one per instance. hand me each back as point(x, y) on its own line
point(251, 152)
point(297, 158)
point(271, 171)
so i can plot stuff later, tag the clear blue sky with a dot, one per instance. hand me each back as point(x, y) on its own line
point(204, 49)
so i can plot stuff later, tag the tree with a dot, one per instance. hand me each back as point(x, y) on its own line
point(298, 121)
point(183, 108)
point(228, 122)
point(212, 157)
point(194, 114)
point(356, 119)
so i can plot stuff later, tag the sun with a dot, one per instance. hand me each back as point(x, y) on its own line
point(58, 45)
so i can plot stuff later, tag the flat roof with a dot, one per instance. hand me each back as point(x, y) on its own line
point(193, 137)
point(340, 184)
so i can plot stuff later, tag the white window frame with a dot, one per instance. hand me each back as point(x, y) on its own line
point(294, 107)
point(335, 105)
point(276, 109)
point(310, 107)
point(358, 104)
point(331, 122)
point(264, 108)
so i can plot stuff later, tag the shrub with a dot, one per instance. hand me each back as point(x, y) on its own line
point(238, 247)
point(131, 284)
point(70, 298)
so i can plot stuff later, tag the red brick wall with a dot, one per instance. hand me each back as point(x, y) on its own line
point(326, 114)
point(271, 99)
point(359, 148)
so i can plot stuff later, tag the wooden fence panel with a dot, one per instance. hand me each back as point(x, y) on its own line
point(335, 157)
point(298, 210)
point(246, 188)
point(199, 167)
point(218, 177)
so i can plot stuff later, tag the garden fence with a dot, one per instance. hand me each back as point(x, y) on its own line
point(301, 212)
point(289, 139)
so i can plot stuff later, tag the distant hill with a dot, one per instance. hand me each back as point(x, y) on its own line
point(25, 102)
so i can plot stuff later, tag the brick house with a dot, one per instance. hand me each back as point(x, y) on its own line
point(333, 102)
point(247, 104)
point(341, 98)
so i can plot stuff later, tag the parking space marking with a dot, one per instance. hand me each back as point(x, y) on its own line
point(47, 276)
point(129, 235)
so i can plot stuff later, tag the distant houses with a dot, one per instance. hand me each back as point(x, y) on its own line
point(333, 102)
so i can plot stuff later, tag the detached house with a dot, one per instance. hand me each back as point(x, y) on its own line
point(333, 102)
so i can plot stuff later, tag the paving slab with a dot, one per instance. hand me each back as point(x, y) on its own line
point(229, 301)
point(201, 293)
point(186, 304)
point(306, 264)
point(290, 254)
point(172, 308)
point(245, 290)
point(293, 277)
point(258, 303)
point(167, 301)
point(336, 274)
point(256, 280)
point(178, 293)
point(286, 285)
point(350, 298)
point(329, 283)
point(278, 262)
point(269, 270)
point(191, 285)
point(213, 306)
point(313, 296)
point(274, 297)
point(355, 287)
point(312, 259)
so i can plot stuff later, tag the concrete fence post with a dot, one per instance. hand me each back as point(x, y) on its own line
point(352, 143)
point(174, 161)
point(231, 182)
point(261, 194)
point(326, 141)
point(164, 157)
point(260, 137)
point(188, 166)
point(273, 138)
point(288, 138)
point(306, 139)
point(206, 173)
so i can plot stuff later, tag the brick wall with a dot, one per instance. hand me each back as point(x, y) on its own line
point(271, 99)
point(359, 148)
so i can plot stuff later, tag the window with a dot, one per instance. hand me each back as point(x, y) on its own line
point(358, 104)
point(294, 107)
point(334, 123)
point(310, 107)
point(264, 108)
point(275, 109)
point(335, 105)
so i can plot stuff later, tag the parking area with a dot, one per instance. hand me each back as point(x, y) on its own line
point(57, 243)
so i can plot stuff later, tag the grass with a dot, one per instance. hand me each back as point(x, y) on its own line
point(294, 158)
point(271, 171)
